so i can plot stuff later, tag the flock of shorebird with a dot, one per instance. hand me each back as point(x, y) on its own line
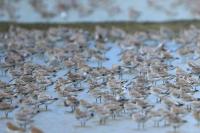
point(153, 81)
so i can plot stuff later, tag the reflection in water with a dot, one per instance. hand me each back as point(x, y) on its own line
point(69, 80)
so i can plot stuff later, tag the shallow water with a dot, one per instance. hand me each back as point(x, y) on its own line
point(58, 120)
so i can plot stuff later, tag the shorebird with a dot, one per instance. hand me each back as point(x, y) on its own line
point(195, 104)
point(130, 108)
point(27, 78)
point(100, 33)
point(178, 110)
point(175, 120)
point(159, 92)
point(72, 102)
point(12, 128)
point(3, 84)
point(25, 114)
point(187, 97)
point(6, 96)
point(118, 70)
point(115, 108)
point(168, 103)
point(45, 100)
point(84, 104)
point(83, 116)
point(36, 130)
point(157, 116)
point(143, 104)
point(195, 67)
point(196, 115)
point(141, 119)
point(180, 72)
point(30, 101)
point(101, 113)
point(6, 108)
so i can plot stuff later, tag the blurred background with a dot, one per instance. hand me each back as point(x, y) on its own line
point(64, 11)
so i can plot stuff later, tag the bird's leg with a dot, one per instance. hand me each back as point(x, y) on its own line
point(81, 124)
point(165, 123)
point(100, 121)
point(38, 106)
point(97, 100)
point(104, 121)
point(80, 84)
point(100, 98)
point(10, 100)
point(158, 124)
point(158, 99)
point(142, 125)
point(154, 123)
point(46, 107)
point(25, 125)
point(138, 125)
point(72, 109)
point(175, 129)
point(84, 123)
point(6, 114)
